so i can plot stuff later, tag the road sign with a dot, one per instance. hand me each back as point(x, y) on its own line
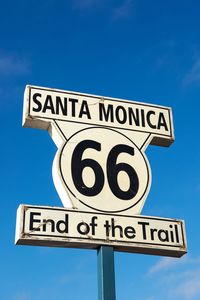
point(53, 226)
point(102, 176)
point(100, 164)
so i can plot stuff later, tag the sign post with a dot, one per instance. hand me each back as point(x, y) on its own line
point(106, 273)
point(102, 176)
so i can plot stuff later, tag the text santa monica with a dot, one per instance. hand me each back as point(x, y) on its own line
point(122, 113)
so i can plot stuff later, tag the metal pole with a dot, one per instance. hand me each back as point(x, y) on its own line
point(106, 273)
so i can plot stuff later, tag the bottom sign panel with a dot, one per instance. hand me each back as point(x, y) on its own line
point(59, 227)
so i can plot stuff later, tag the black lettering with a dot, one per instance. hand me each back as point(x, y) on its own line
point(73, 101)
point(162, 121)
point(176, 233)
point(48, 105)
point(61, 106)
point(33, 220)
point(144, 224)
point(134, 116)
point(151, 112)
point(84, 110)
point(121, 115)
point(106, 115)
point(93, 225)
point(107, 226)
point(152, 233)
point(142, 118)
point(171, 234)
point(114, 227)
point(83, 228)
point(164, 238)
point(65, 227)
point(129, 232)
point(37, 102)
point(48, 221)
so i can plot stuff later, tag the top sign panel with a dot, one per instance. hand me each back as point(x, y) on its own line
point(43, 105)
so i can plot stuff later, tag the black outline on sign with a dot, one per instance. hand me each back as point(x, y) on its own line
point(145, 142)
point(145, 159)
point(64, 136)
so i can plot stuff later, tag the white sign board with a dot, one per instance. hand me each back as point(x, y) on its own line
point(50, 226)
point(101, 173)
point(100, 164)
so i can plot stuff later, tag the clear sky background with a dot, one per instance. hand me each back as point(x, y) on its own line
point(140, 50)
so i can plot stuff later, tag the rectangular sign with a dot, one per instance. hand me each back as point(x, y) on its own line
point(59, 227)
point(43, 104)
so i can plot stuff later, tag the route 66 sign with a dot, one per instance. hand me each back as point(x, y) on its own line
point(100, 164)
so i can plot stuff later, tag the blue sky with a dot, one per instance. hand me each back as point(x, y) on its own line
point(147, 51)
